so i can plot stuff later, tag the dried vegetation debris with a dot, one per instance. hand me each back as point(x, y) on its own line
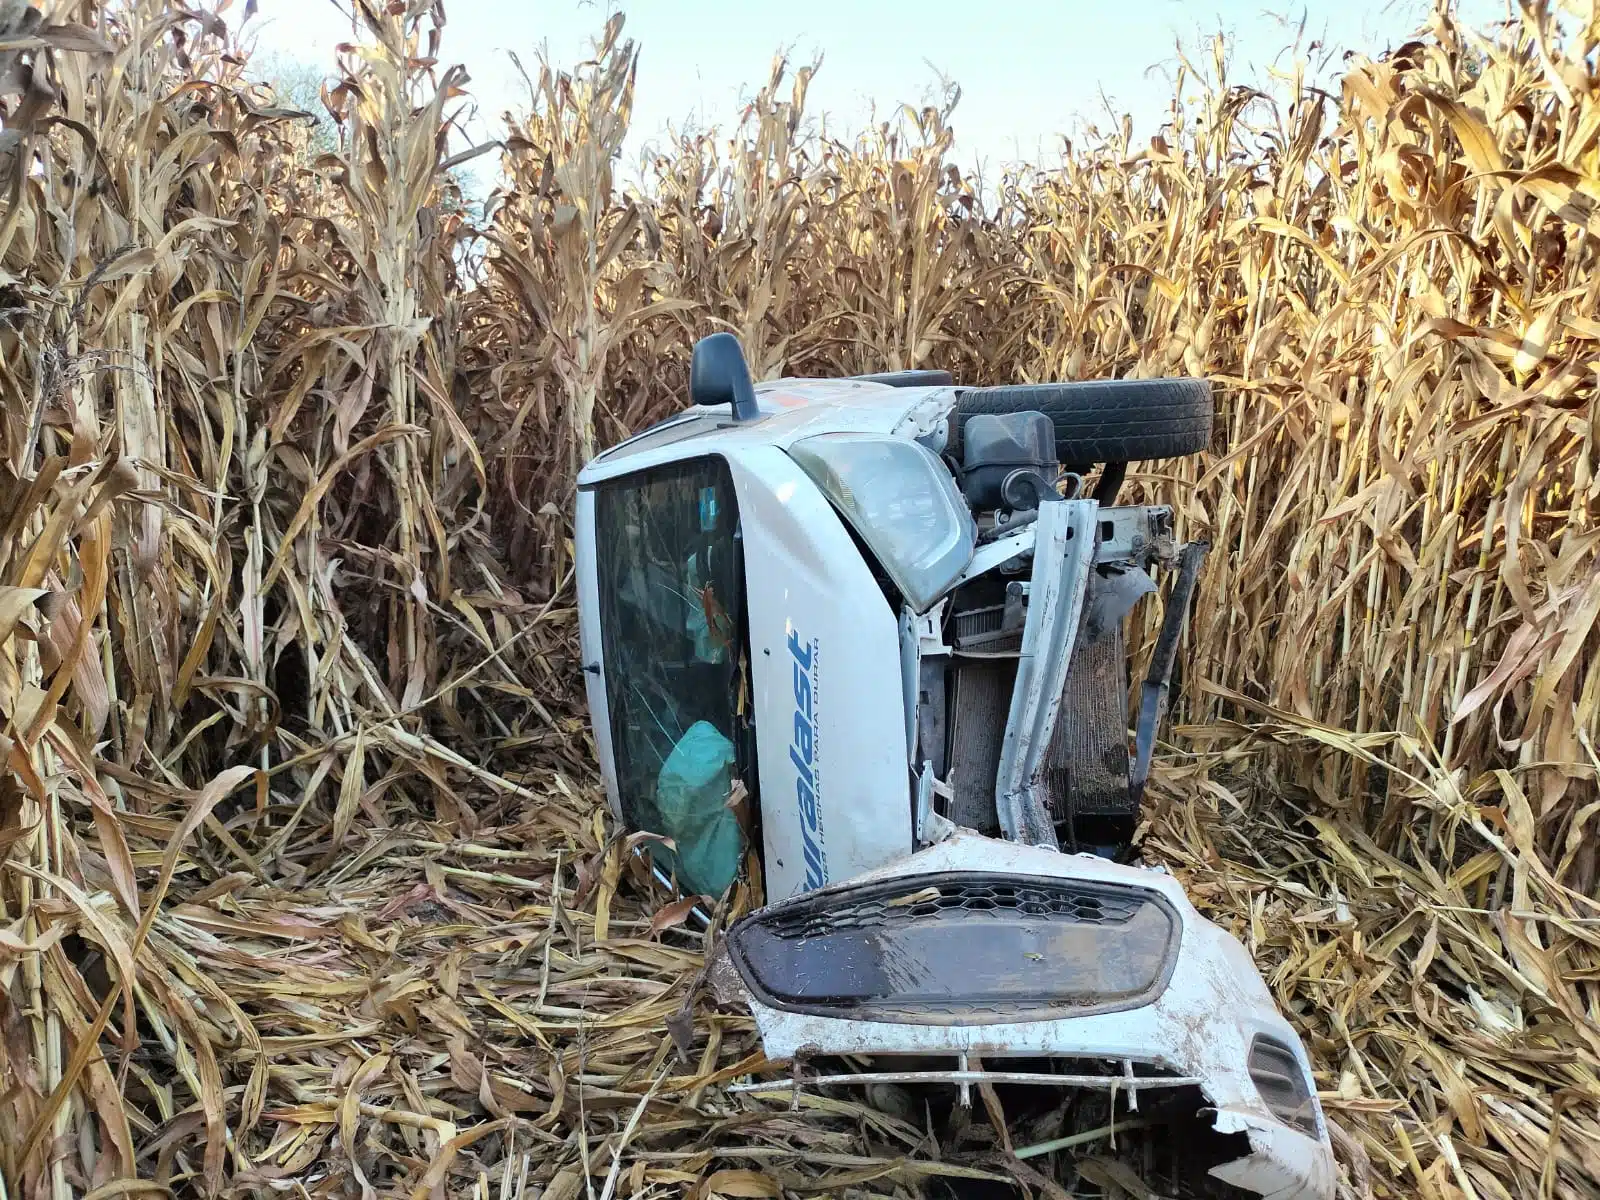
point(304, 883)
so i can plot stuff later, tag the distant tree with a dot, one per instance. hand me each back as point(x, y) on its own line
point(298, 84)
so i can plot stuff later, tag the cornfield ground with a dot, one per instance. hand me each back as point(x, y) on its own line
point(306, 885)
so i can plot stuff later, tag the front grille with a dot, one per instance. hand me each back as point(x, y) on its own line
point(1068, 901)
point(958, 948)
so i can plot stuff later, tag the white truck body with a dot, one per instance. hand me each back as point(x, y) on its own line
point(824, 644)
point(828, 660)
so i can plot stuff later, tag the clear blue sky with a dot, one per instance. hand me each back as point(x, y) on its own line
point(1029, 70)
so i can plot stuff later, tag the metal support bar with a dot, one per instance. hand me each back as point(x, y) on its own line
point(965, 1079)
point(1158, 681)
point(1063, 557)
point(1110, 483)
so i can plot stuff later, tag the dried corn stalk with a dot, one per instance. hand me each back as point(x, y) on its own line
point(303, 877)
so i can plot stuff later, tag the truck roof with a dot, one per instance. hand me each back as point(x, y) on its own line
point(791, 409)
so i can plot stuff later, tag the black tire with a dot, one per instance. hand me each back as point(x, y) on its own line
point(1103, 420)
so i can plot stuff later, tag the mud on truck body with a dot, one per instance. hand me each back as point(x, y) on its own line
point(869, 632)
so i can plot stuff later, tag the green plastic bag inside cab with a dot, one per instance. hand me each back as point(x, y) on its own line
point(692, 797)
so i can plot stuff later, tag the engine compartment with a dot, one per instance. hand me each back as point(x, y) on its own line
point(1005, 465)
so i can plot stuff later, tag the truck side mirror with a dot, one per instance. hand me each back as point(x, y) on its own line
point(718, 374)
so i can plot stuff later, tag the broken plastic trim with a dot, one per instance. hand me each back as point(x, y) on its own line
point(1281, 1081)
point(1202, 1024)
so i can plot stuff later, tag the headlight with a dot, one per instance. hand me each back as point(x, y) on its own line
point(934, 950)
point(904, 504)
point(1282, 1083)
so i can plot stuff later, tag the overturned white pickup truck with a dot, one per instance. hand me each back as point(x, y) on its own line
point(865, 636)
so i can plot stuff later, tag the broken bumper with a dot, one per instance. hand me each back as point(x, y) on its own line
point(977, 951)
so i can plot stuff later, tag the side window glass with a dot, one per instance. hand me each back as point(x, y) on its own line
point(670, 593)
